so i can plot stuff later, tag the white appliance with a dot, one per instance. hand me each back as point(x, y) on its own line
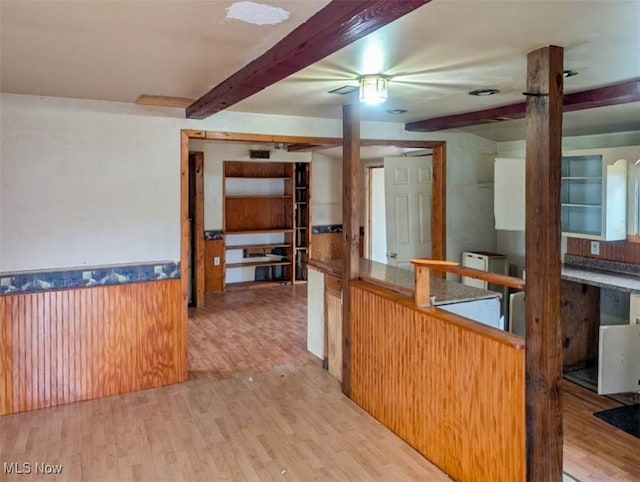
point(516, 313)
point(487, 261)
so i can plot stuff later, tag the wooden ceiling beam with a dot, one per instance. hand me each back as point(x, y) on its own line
point(621, 93)
point(306, 147)
point(337, 25)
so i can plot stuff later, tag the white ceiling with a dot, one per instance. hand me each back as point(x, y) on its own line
point(117, 50)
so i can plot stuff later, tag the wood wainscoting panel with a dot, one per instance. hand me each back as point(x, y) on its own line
point(333, 314)
point(622, 251)
point(454, 392)
point(213, 275)
point(6, 357)
point(86, 343)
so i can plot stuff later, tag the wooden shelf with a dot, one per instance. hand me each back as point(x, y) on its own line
point(258, 246)
point(259, 196)
point(583, 178)
point(260, 178)
point(257, 284)
point(258, 263)
point(262, 231)
point(301, 249)
point(577, 205)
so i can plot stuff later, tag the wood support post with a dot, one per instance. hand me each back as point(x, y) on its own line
point(543, 359)
point(439, 205)
point(422, 267)
point(196, 213)
point(350, 226)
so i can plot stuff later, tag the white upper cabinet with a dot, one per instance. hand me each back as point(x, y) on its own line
point(594, 193)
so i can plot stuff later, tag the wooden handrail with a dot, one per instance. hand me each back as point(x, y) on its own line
point(423, 269)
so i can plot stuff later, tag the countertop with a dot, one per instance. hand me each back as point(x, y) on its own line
point(402, 281)
point(602, 273)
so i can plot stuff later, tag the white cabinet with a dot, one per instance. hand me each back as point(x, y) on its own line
point(486, 261)
point(634, 309)
point(594, 193)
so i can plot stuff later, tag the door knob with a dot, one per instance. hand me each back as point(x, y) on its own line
point(393, 255)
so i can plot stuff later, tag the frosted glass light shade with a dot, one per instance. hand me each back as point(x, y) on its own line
point(374, 89)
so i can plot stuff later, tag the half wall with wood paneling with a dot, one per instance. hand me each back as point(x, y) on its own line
point(450, 387)
point(65, 346)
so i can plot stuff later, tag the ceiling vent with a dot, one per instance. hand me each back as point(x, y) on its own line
point(344, 90)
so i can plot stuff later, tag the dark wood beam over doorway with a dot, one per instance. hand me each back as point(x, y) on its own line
point(543, 352)
point(337, 25)
point(621, 93)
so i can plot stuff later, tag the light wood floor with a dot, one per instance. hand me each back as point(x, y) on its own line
point(248, 330)
point(595, 451)
point(289, 424)
point(259, 409)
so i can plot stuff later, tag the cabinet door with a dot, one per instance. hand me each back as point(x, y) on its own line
point(619, 359)
point(508, 199)
point(616, 201)
point(634, 309)
point(475, 261)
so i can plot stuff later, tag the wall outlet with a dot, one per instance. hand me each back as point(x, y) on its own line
point(595, 248)
point(216, 261)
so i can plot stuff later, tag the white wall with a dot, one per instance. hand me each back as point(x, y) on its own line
point(511, 243)
point(86, 183)
point(326, 190)
point(92, 183)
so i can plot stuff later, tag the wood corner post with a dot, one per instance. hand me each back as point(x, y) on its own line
point(350, 227)
point(543, 353)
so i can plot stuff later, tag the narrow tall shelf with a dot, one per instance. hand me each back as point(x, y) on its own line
point(302, 207)
point(261, 222)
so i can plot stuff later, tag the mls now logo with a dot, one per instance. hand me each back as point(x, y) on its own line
point(29, 468)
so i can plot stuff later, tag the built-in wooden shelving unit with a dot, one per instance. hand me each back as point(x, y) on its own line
point(266, 219)
point(302, 207)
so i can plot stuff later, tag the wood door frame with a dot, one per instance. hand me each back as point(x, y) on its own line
point(196, 197)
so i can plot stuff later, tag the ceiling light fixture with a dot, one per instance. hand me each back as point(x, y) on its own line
point(397, 111)
point(483, 92)
point(569, 73)
point(374, 89)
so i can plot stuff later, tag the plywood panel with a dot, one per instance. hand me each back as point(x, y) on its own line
point(251, 214)
point(580, 321)
point(213, 275)
point(79, 344)
point(623, 251)
point(327, 246)
point(453, 393)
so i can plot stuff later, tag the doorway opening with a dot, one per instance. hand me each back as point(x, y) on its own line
point(377, 228)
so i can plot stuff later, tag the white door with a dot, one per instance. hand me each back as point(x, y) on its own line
point(408, 208)
point(377, 219)
point(619, 359)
